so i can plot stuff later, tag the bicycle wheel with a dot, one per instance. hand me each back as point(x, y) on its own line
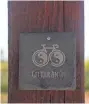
point(57, 58)
point(40, 58)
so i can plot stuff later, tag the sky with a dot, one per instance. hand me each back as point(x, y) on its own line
point(4, 28)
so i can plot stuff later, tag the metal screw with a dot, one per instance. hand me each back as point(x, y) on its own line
point(48, 38)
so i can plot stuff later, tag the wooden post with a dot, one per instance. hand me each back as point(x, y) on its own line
point(44, 16)
point(74, 21)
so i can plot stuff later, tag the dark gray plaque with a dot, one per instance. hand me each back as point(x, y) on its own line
point(47, 61)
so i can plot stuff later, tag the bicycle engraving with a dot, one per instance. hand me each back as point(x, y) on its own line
point(56, 57)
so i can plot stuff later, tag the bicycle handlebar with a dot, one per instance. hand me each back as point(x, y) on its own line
point(54, 46)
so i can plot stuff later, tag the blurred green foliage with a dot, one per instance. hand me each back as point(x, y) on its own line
point(4, 76)
point(87, 75)
point(4, 66)
point(4, 81)
point(87, 65)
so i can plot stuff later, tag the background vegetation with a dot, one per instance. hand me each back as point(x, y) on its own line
point(4, 79)
point(87, 75)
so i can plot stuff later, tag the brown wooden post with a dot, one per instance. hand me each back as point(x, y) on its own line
point(74, 21)
point(44, 16)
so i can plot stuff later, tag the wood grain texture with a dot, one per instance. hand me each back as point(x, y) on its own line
point(40, 16)
point(74, 22)
point(31, 16)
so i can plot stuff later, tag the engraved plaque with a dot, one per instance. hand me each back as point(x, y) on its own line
point(47, 61)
